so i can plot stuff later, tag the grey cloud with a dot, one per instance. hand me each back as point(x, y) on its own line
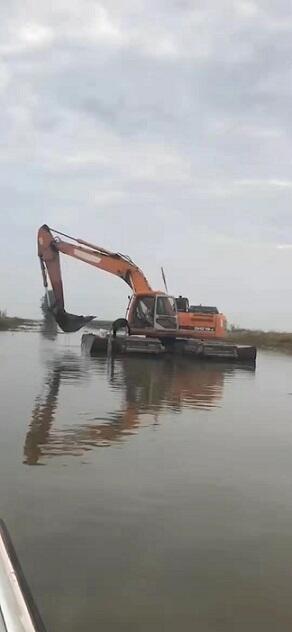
point(162, 129)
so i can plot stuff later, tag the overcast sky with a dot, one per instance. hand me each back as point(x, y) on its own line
point(158, 128)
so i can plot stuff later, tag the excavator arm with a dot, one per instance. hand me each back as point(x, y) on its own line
point(49, 249)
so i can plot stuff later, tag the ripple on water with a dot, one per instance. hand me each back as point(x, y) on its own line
point(85, 403)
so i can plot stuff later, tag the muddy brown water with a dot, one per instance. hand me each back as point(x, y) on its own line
point(148, 495)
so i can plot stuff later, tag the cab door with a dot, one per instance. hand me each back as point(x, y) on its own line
point(165, 313)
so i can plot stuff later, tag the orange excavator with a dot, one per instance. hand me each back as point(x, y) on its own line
point(150, 313)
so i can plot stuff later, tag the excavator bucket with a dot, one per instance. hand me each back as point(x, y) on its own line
point(70, 322)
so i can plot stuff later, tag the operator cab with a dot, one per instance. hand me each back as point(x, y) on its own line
point(153, 312)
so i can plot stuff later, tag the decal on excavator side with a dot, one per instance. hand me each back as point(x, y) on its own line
point(86, 256)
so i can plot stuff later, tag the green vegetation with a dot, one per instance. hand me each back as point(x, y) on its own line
point(8, 323)
point(272, 340)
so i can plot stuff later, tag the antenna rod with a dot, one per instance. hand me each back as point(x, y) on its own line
point(164, 279)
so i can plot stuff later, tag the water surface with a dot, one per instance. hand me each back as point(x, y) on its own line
point(148, 494)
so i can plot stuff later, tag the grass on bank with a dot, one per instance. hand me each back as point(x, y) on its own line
point(272, 340)
point(11, 323)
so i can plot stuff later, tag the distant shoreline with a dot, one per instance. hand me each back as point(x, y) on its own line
point(270, 340)
point(12, 323)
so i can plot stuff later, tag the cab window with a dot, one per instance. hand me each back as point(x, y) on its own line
point(165, 306)
point(144, 312)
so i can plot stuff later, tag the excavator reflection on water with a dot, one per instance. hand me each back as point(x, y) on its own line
point(148, 388)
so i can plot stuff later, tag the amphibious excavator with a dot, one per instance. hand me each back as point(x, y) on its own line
point(150, 313)
point(156, 323)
